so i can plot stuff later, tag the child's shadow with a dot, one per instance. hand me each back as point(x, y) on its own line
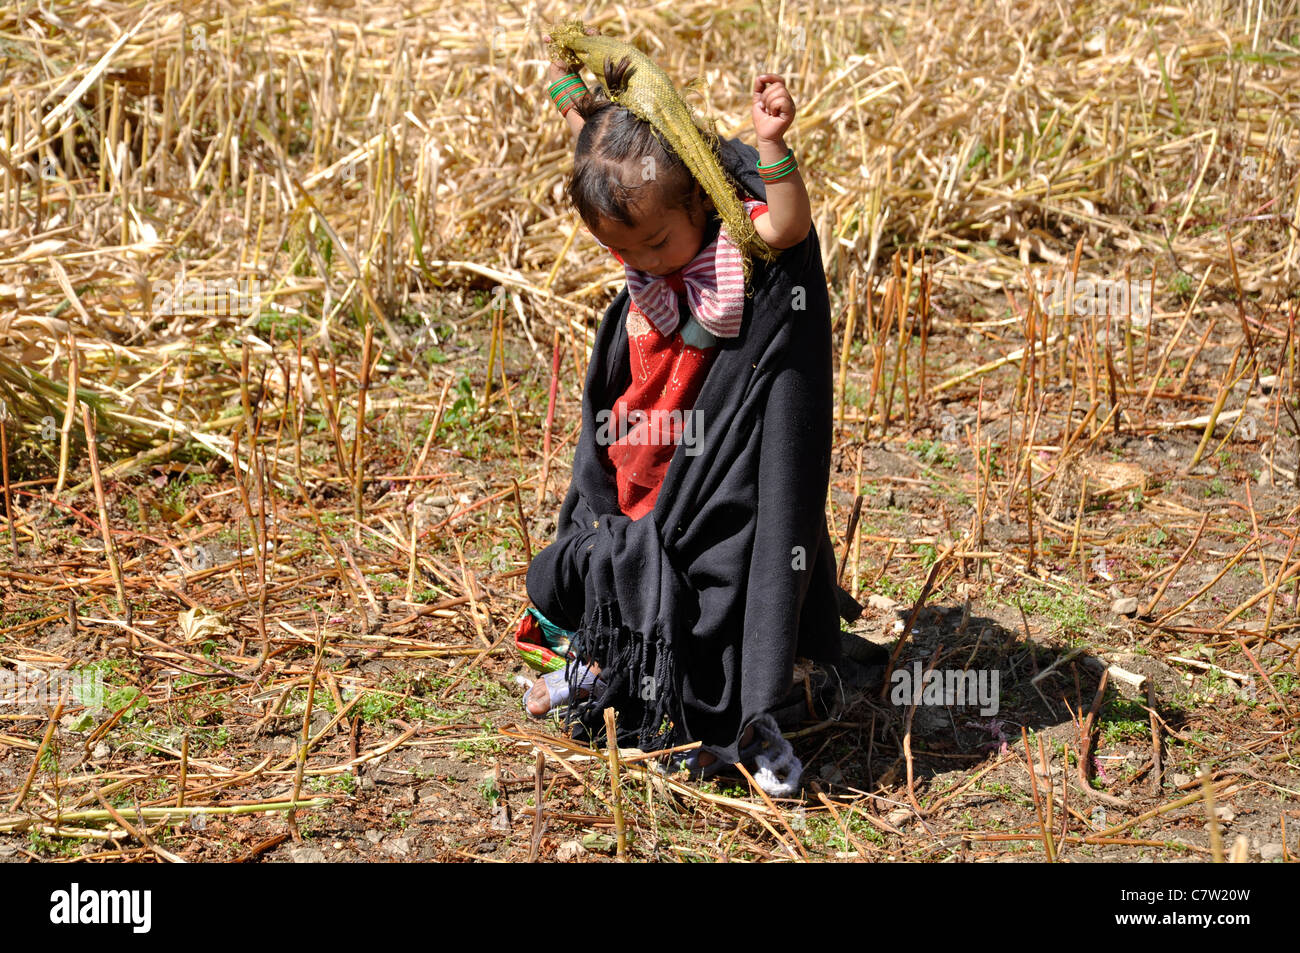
point(964, 707)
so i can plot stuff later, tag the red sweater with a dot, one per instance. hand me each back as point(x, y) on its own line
point(667, 374)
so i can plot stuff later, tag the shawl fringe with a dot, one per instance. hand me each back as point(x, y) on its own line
point(638, 680)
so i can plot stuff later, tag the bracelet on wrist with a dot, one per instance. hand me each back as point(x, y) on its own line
point(564, 85)
point(564, 82)
point(775, 171)
point(566, 91)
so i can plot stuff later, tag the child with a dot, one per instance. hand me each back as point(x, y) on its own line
point(686, 608)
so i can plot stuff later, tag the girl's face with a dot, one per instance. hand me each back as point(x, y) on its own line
point(661, 240)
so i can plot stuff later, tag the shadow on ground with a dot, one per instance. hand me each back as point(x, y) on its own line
point(965, 686)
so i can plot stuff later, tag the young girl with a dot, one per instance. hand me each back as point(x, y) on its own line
point(692, 561)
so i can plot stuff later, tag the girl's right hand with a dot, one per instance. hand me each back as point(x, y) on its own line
point(556, 69)
point(559, 69)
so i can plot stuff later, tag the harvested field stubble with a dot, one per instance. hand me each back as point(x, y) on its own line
point(293, 324)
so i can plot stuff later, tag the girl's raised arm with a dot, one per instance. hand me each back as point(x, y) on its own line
point(789, 214)
point(564, 94)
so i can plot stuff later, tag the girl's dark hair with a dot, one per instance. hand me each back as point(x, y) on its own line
point(611, 136)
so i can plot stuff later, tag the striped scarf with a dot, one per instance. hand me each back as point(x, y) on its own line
point(714, 283)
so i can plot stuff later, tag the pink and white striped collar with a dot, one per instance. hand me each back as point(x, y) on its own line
point(714, 283)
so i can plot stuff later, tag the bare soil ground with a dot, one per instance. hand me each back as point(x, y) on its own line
point(432, 759)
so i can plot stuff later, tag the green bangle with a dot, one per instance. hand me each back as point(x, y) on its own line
point(563, 85)
point(773, 166)
point(559, 91)
point(565, 92)
point(769, 176)
point(775, 171)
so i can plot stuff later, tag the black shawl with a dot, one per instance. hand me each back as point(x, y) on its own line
point(696, 611)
